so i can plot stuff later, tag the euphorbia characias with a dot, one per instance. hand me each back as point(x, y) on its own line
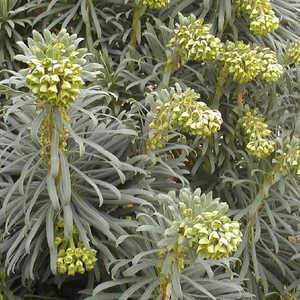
point(55, 75)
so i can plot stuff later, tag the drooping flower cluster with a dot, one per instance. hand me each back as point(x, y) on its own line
point(55, 68)
point(259, 143)
point(73, 257)
point(184, 113)
point(153, 3)
point(261, 14)
point(293, 53)
point(193, 41)
point(245, 63)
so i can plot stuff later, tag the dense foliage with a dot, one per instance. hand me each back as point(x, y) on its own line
point(149, 149)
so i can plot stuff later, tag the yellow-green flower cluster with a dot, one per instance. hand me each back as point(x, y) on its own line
point(54, 81)
point(154, 3)
point(293, 53)
point(206, 227)
point(271, 69)
point(288, 160)
point(55, 68)
point(73, 257)
point(214, 235)
point(259, 144)
point(156, 140)
point(245, 63)
point(261, 14)
point(192, 40)
point(184, 113)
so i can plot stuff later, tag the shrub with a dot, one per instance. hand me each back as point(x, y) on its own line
point(150, 150)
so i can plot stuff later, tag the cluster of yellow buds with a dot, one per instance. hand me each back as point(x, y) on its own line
point(153, 3)
point(184, 113)
point(288, 159)
point(157, 140)
point(206, 227)
point(245, 63)
point(55, 67)
point(214, 235)
point(293, 53)
point(271, 69)
point(263, 19)
point(203, 226)
point(54, 81)
point(259, 145)
point(192, 40)
point(73, 257)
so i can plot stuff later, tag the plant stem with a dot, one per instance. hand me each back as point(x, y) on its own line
point(88, 30)
point(166, 77)
point(167, 289)
point(137, 13)
point(219, 87)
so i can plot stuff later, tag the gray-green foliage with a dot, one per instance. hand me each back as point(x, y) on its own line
point(109, 130)
point(161, 252)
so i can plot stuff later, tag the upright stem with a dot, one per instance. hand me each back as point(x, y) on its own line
point(166, 77)
point(271, 97)
point(88, 30)
point(240, 97)
point(3, 9)
point(137, 13)
point(219, 87)
point(167, 289)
